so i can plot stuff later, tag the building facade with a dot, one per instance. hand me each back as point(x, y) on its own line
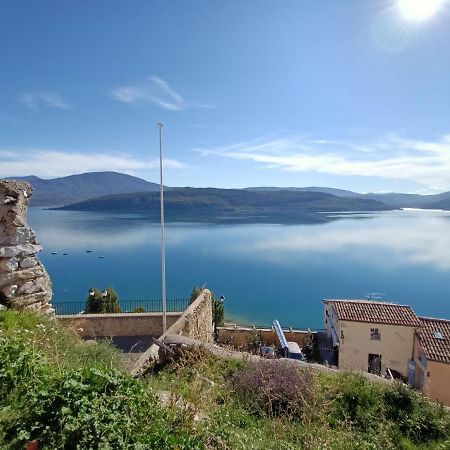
point(371, 336)
point(432, 359)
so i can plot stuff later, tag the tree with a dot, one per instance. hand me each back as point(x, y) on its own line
point(218, 309)
point(102, 302)
point(195, 293)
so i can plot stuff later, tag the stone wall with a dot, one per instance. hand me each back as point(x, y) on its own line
point(117, 325)
point(24, 282)
point(194, 323)
point(243, 337)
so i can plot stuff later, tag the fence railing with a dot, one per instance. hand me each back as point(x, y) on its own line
point(72, 307)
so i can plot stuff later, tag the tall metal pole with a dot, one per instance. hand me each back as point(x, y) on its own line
point(163, 250)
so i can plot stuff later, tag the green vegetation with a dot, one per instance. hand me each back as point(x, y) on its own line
point(274, 405)
point(218, 310)
point(102, 302)
point(73, 395)
point(208, 200)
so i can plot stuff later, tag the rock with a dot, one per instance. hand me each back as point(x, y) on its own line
point(24, 281)
point(20, 235)
point(8, 291)
point(20, 276)
point(8, 264)
point(19, 250)
point(28, 262)
point(30, 287)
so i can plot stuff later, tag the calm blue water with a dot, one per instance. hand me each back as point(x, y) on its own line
point(265, 271)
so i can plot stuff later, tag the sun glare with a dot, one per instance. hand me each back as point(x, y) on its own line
point(418, 10)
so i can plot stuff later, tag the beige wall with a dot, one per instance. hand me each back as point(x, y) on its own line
point(436, 377)
point(437, 384)
point(331, 321)
point(395, 346)
point(241, 337)
point(112, 325)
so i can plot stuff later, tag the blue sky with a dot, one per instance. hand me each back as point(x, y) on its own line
point(346, 94)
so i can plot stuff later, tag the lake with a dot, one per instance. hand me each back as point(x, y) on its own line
point(265, 270)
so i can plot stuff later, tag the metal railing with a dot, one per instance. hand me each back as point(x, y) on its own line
point(72, 307)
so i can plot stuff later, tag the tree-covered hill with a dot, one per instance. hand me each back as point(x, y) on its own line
point(228, 200)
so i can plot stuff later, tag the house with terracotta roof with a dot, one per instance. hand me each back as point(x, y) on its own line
point(371, 336)
point(432, 359)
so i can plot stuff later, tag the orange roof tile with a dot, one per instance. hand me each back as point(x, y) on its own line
point(434, 338)
point(375, 312)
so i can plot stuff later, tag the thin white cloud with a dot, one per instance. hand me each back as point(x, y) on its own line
point(54, 163)
point(35, 101)
point(155, 90)
point(392, 157)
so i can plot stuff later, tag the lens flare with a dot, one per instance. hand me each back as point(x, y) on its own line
point(418, 10)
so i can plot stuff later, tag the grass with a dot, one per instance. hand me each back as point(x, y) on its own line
point(73, 395)
point(268, 406)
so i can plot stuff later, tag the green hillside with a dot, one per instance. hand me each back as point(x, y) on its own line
point(66, 394)
point(228, 200)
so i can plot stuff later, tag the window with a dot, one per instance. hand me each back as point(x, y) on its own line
point(375, 334)
point(438, 335)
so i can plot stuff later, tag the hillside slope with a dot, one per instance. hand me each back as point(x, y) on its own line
point(229, 200)
point(393, 199)
point(75, 188)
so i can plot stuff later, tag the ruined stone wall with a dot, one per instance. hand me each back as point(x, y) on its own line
point(24, 282)
point(194, 323)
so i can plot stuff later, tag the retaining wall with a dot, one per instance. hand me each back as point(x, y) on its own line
point(242, 337)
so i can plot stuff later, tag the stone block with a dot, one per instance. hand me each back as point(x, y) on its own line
point(19, 250)
point(28, 262)
point(8, 264)
point(9, 291)
point(20, 276)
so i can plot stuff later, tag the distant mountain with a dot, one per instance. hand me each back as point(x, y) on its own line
point(76, 188)
point(228, 200)
point(325, 190)
point(392, 199)
point(444, 204)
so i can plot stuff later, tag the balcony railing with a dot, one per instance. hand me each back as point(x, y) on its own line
point(72, 307)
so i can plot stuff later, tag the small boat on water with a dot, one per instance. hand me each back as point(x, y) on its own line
point(101, 257)
point(64, 254)
point(54, 253)
point(88, 251)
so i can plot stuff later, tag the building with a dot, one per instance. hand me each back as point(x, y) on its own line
point(432, 359)
point(371, 336)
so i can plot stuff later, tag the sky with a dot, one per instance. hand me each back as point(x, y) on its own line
point(346, 94)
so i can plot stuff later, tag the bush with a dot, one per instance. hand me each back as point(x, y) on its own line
point(102, 302)
point(91, 406)
point(417, 418)
point(273, 388)
point(356, 400)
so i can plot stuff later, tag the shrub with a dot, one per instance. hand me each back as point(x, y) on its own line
point(102, 302)
point(356, 400)
point(139, 309)
point(75, 405)
point(416, 417)
point(273, 388)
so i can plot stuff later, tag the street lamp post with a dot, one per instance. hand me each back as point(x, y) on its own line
point(163, 251)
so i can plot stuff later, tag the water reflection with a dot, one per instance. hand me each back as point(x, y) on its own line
point(265, 270)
